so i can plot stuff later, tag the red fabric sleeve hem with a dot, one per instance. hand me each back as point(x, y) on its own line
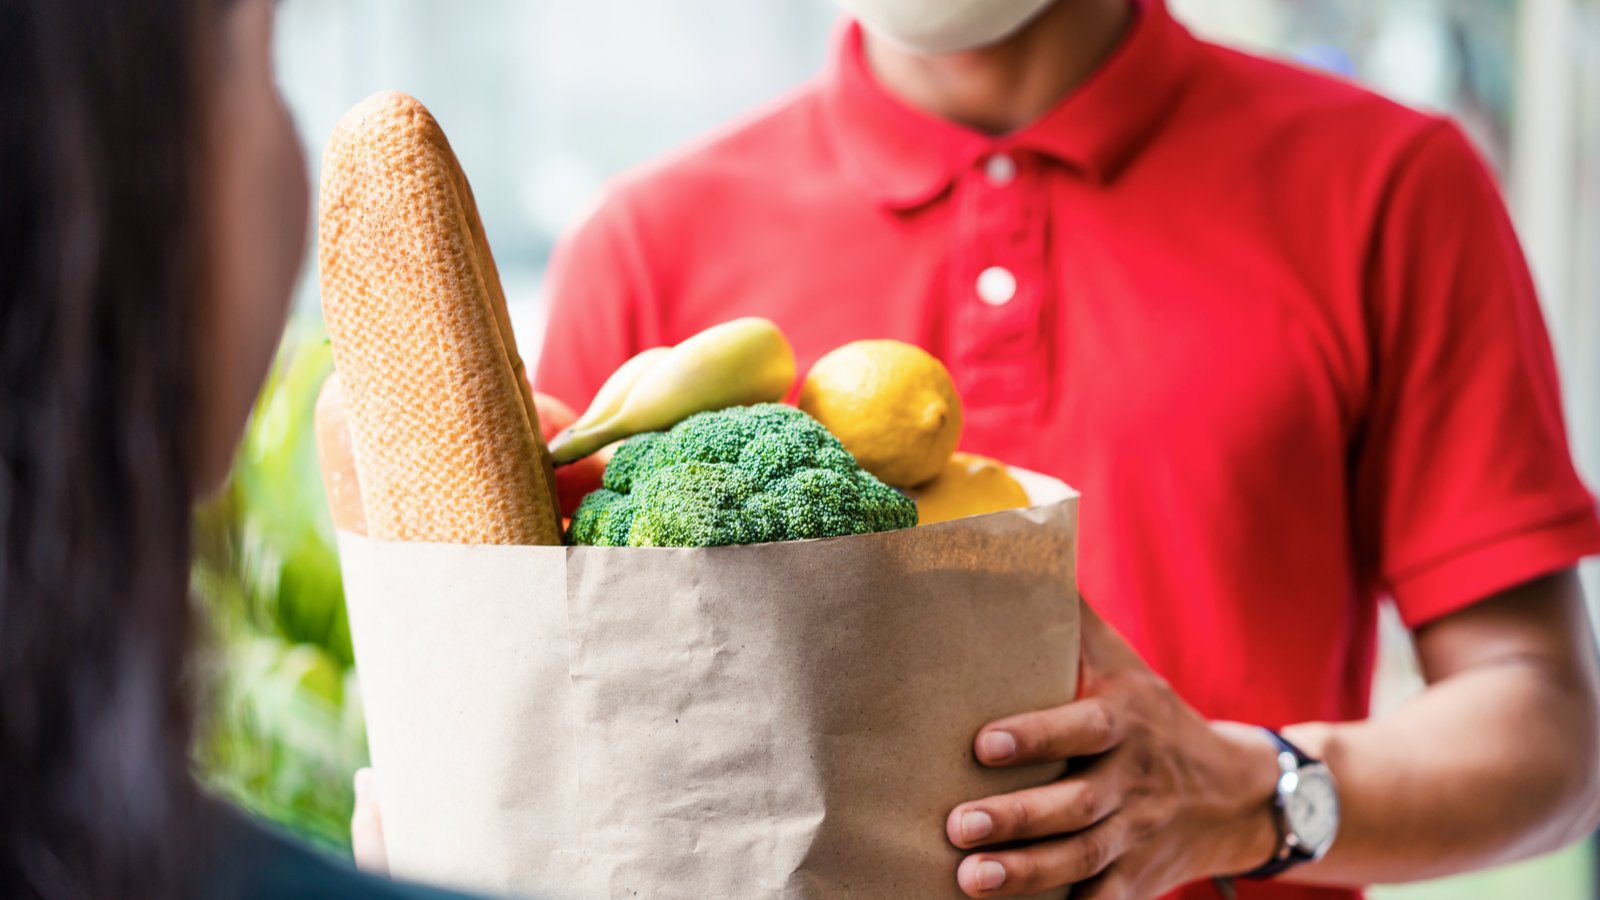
point(1489, 567)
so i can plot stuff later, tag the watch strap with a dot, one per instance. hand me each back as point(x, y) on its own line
point(1286, 859)
point(1286, 856)
point(1301, 758)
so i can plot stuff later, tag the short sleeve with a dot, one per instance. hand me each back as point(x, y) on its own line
point(1464, 480)
point(598, 290)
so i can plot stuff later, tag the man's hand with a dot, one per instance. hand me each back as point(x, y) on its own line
point(366, 826)
point(1155, 796)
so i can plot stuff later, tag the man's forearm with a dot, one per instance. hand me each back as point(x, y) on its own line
point(1489, 765)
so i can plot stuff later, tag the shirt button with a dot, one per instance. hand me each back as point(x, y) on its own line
point(1000, 169)
point(996, 286)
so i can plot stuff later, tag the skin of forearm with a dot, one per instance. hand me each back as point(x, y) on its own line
point(1494, 762)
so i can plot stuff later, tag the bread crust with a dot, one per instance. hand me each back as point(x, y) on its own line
point(444, 433)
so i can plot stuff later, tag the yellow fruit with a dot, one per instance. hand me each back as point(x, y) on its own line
point(737, 363)
point(891, 404)
point(970, 485)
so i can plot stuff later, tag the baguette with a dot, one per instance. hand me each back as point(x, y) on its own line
point(445, 435)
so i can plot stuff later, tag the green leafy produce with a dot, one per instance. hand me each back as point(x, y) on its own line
point(743, 475)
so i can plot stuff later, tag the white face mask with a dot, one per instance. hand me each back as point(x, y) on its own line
point(943, 26)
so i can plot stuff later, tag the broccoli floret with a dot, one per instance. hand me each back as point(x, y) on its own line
point(823, 503)
point(635, 454)
point(882, 507)
point(745, 475)
point(696, 504)
point(602, 519)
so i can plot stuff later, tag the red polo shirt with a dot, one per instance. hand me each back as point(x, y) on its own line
point(1277, 329)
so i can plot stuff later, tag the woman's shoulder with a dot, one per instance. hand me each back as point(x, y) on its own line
point(252, 860)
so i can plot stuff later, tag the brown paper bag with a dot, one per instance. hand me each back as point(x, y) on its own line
point(787, 720)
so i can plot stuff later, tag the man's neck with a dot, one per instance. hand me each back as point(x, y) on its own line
point(1005, 86)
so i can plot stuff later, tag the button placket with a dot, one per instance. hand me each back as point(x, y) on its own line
point(999, 289)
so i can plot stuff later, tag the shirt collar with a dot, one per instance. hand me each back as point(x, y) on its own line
point(906, 157)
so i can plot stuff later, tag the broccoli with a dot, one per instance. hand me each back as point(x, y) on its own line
point(632, 456)
point(744, 475)
point(603, 518)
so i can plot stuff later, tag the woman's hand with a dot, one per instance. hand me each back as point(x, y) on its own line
point(1156, 796)
point(366, 826)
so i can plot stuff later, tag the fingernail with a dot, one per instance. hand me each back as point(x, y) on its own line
point(363, 784)
point(976, 825)
point(989, 875)
point(998, 746)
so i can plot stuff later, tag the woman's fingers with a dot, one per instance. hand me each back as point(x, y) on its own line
point(1085, 728)
point(366, 826)
point(1071, 804)
point(1045, 865)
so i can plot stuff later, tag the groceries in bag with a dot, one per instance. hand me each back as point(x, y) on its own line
point(785, 714)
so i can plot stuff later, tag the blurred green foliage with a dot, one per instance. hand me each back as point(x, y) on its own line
point(282, 731)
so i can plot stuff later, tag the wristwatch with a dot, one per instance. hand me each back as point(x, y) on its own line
point(1305, 810)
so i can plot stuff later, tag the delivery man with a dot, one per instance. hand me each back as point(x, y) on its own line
point(1280, 334)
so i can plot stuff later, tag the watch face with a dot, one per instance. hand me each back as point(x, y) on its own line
point(1312, 809)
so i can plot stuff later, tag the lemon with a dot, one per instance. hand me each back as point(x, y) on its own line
point(970, 485)
point(892, 405)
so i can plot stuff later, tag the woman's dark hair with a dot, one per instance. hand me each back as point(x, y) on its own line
point(100, 139)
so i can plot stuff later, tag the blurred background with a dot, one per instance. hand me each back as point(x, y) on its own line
point(544, 101)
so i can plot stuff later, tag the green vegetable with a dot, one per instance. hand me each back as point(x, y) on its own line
point(743, 475)
point(603, 519)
